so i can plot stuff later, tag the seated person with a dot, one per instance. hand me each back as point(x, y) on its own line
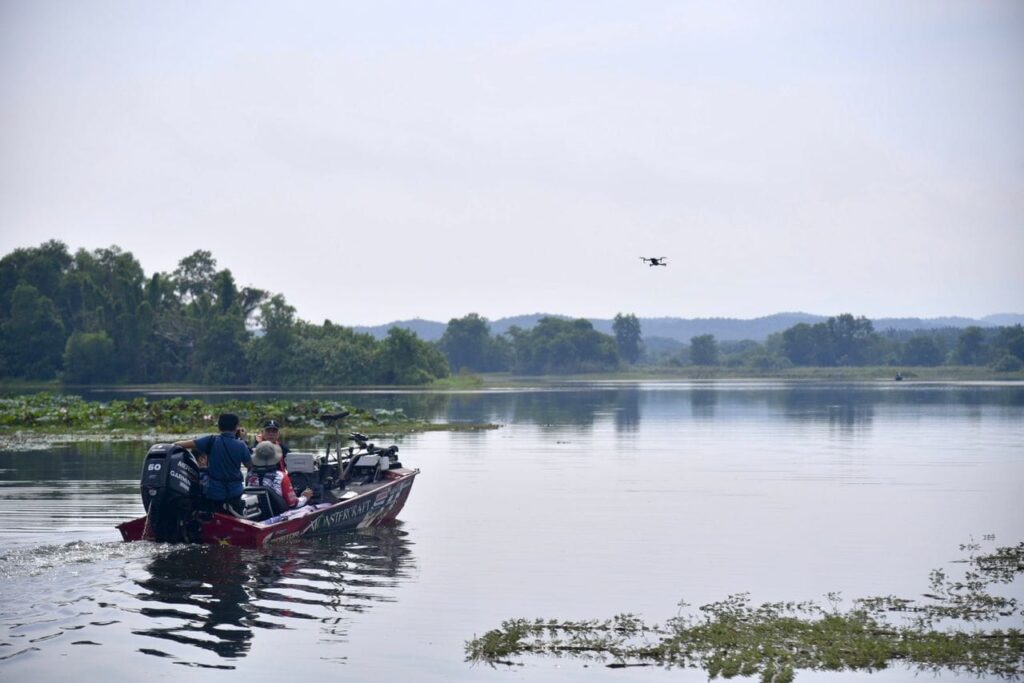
point(265, 472)
point(271, 432)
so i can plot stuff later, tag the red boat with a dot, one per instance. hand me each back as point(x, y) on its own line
point(366, 489)
point(358, 506)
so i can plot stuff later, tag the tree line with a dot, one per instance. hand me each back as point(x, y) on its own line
point(848, 341)
point(556, 346)
point(95, 317)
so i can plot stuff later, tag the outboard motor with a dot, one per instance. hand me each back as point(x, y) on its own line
point(170, 479)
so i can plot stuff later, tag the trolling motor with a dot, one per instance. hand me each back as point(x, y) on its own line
point(169, 482)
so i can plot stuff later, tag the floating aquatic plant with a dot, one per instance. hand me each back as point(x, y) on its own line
point(70, 416)
point(773, 641)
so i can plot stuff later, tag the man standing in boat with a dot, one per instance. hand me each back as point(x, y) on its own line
point(272, 432)
point(227, 453)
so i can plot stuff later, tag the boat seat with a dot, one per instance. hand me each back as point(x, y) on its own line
point(257, 504)
point(271, 503)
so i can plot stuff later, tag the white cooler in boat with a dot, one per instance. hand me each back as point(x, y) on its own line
point(298, 461)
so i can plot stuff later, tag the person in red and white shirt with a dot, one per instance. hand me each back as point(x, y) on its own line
point(265, 472)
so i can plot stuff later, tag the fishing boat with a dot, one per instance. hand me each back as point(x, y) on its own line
point(367, 488)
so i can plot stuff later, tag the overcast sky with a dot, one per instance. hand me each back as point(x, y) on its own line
point(376, 161)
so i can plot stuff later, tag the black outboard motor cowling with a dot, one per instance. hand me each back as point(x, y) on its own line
point(170, 480)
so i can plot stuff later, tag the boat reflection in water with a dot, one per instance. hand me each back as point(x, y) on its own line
point(219, 598)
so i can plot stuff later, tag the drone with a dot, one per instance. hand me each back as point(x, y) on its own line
point(655, 260)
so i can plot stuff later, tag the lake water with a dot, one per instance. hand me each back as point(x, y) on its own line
point(589, 501)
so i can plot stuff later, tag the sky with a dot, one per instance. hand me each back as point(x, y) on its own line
point(393, 160)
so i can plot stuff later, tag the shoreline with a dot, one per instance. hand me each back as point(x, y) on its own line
point(872, 374)
point(946, 373)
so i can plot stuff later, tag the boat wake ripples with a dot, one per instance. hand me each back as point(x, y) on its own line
point(199, 606)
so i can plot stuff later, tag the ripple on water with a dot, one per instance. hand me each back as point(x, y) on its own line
point(200, 606)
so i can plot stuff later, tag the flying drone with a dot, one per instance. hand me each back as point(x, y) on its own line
point(655, 260)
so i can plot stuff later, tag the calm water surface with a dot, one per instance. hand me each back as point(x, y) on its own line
point(588, 502)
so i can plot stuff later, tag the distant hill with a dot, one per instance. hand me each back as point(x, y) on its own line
point(935, 323)
point(724, 329)
point(683, 329)
point(503, 325)
point(428, 330)
point(1004, 319)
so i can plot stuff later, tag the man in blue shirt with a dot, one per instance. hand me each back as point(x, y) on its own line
point(227, 453)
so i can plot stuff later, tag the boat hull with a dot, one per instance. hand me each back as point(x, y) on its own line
point(365, 506)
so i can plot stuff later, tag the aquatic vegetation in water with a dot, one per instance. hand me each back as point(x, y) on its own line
point(25, 420)
point(775, 640)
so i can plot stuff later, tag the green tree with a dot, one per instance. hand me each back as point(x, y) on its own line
point(327, 355)
point(341, 355)
point(850, 339)
point(220, 354)
point(556, 346)
point(224, 290)
point(466, 343)
point(43, 267)
point(922, 350)
point(404, 358)
point(102, 291)
point(33, 336)
point(250, 299)
point(841, 340)
point(270, 353)
point(1009, 341)
point(501, 353)
point(971, 348)
point(627, 337)
point(704, 350)
point(805, 344)
point(89, 358)
point(194, 277)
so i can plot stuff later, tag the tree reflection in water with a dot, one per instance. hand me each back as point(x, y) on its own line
point(216, 597)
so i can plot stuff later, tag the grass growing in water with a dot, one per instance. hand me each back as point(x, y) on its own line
point(27, 419)
point(775, 640)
